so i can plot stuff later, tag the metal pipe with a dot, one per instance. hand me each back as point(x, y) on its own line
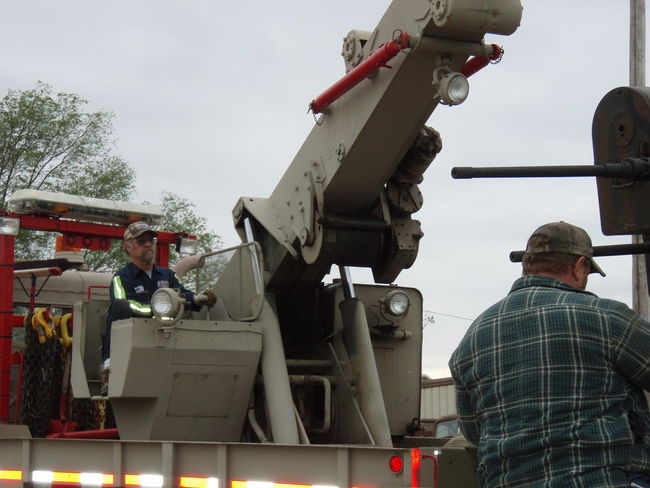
point(640, 299)
point(256, 426)
point(637, 43)
point(376, 60)
point(87, 434)
point(631, 168)
point(276, 380)
point(304, 439)
point(356, 338)
point(599, 251)
point(327, 397)
point(309, 363)
point(6, 315)
point(257, 277)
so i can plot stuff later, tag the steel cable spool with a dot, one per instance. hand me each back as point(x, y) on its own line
point(347, 247)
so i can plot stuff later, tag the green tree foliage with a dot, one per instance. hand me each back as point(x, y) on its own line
point(49, 142)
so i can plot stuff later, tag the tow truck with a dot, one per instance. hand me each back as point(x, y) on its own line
point(287, 381)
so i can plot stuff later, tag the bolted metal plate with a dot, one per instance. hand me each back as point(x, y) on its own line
point(621, 129)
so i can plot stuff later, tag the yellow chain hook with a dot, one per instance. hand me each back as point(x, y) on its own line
point(41, 324)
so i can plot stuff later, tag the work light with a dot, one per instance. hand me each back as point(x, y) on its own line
point(166, 305)
point(454, 88)
point(9, 226)
point(396, 303)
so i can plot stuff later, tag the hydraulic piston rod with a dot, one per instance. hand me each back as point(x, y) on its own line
point(375, 61)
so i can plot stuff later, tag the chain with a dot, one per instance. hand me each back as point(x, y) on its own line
point(499, 57)
point(42, 378)
point(101, 405)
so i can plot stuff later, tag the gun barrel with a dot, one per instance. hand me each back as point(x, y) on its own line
point(599, 251)
point(632, 168)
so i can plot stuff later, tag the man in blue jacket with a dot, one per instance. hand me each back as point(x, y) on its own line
point(550, 379)
point(133, 285)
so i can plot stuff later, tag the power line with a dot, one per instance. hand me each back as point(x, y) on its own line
point(449, 315)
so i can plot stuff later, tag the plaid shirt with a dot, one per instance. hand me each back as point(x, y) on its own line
point(549, 386)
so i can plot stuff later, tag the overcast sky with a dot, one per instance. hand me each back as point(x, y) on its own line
point(210, 101)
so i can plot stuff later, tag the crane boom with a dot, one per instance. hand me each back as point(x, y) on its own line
point(345, 198)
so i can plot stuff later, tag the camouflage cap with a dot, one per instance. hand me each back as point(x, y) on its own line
point(136, 229)
point(564, 238)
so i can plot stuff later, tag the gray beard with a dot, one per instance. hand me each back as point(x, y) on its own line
point(148, 256)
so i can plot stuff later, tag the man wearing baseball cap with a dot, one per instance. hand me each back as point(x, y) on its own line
point(133, 285)
point(550, 380)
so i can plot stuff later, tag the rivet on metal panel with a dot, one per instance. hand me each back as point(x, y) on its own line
point(340, 152)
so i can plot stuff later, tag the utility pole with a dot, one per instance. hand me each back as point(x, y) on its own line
point(640, 300)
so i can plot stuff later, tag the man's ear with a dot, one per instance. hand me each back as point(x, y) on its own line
point(578, 265)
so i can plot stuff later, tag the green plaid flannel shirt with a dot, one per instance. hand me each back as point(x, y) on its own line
point(549, 386)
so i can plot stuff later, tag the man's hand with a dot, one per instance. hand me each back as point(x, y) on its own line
point(206, 297)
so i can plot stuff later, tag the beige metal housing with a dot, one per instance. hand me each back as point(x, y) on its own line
point(64, 290)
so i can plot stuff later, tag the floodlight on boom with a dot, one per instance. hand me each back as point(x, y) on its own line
point(396, 303)
point(453, 87)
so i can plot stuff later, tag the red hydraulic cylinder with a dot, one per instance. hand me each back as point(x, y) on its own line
point(6, 319)
point(477, 63)
point(376, 60)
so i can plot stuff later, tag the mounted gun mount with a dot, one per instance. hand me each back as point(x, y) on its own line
point(621, 142)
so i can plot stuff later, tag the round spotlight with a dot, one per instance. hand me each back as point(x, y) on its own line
point(396, 303)
point(454, 88)
point(166, 305)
